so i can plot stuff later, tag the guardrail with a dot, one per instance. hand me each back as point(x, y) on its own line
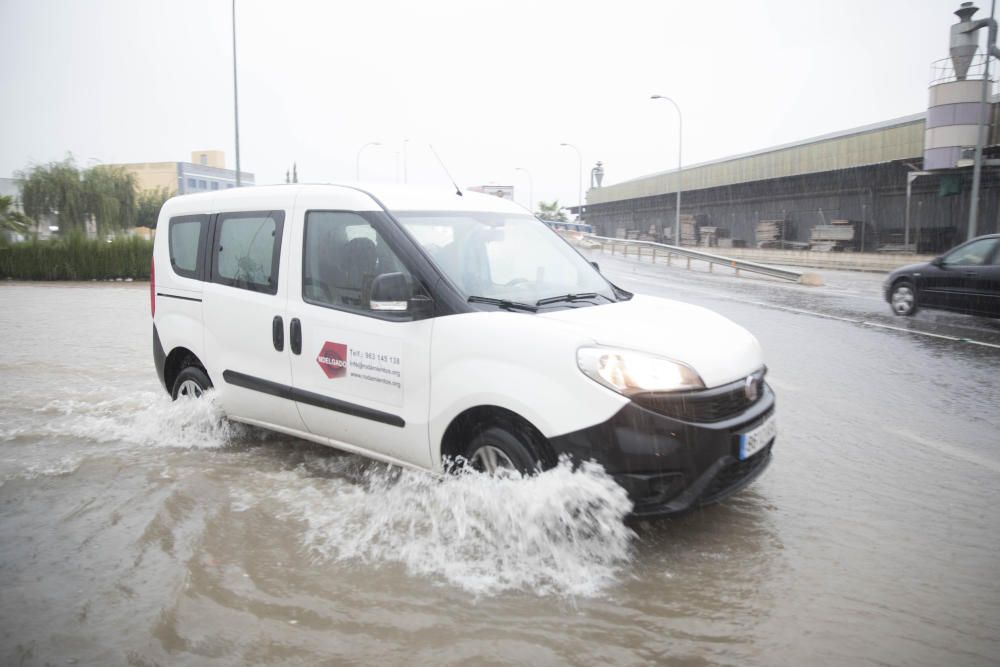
point(670, 250)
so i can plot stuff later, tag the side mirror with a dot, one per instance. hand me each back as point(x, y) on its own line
point(597, 267)
point(938, 261)
point(390, 291)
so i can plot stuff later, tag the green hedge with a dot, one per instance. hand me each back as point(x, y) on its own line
point(77, 258)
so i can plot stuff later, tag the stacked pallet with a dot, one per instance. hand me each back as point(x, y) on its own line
point(770, 233)
point(689, 230)
point(711, 237)
point(651, 235)
point(838, 236)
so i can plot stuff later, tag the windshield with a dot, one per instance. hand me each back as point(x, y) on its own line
point(504, 256)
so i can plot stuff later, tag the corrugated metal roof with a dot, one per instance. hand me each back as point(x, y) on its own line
point(896, 139)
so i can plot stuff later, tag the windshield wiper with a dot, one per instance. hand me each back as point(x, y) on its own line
point(503, 303)
point(582, 296)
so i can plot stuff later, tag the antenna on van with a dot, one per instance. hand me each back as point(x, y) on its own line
point(458, 190)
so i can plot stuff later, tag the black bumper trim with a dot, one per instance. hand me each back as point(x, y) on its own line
point(668, 465)
point(160, 359)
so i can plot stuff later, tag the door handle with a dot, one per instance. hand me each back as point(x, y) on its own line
point(278, 333)
point(295, 331)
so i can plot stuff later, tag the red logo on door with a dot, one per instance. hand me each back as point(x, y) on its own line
point(333, 359)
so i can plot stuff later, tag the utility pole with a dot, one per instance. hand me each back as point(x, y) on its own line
point(991, 51)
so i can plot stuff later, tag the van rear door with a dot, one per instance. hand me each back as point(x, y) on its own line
point(245, 320)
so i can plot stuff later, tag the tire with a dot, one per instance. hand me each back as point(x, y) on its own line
point(496, 450)
point(903, 298)
point(191, 382)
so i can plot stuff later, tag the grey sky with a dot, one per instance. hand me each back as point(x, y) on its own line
point(492, 86)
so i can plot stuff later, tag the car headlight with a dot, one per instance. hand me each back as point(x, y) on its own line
point(629, 372)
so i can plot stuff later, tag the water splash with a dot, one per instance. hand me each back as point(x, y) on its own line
point(57, 438)
point(143, 419)
point(561, 532)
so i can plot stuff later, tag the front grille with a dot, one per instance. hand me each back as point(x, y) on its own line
point(734, 473)
point(708, 405)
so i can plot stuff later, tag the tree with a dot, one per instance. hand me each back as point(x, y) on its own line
point(54, 189)
point(552, 211)
point(148, 207)
point(11, 220)
point(110, 196)
point(60, 189)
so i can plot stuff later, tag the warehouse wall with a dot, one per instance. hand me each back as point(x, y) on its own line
point(875, 194)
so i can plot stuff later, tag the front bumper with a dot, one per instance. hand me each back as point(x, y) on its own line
point(669, 465)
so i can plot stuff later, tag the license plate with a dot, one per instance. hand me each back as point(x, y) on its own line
point(753, 441)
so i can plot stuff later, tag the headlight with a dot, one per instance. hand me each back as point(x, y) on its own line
point(629, 372)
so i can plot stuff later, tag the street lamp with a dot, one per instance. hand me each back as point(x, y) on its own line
point(579, 181)
point(357, 160)
point(405, 141)
point(680, 134)
point(531, 188)
point(236, 101)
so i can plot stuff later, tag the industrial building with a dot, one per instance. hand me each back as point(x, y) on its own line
point(857, 178)
point(205, 172)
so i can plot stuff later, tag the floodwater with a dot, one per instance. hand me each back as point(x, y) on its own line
point(138, 531)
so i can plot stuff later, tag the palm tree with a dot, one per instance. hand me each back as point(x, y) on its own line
point(11, 220)
point(551, 211)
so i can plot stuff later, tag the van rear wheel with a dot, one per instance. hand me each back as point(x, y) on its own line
point(497, 451)
point(191, 382)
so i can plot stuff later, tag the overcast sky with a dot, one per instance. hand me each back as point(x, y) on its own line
point(492, 86)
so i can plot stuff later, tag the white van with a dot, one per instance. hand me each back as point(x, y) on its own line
point(417, 326)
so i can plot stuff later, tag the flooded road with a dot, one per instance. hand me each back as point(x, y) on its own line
point(138, 531)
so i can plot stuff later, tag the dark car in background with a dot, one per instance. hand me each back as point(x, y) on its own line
point(966, 279)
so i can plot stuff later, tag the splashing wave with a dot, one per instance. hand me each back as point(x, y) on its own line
point(144, 418)
point(561, 532)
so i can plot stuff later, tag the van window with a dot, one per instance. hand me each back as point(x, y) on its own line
point(247, 250)
point(343, 253)
point(503, 256)
point(187, 239)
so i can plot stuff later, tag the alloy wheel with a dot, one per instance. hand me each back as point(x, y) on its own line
point(492, 460)
point(903, 300)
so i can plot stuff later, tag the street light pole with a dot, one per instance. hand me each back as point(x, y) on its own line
point(579, 181)
point(405, 179)
point(531, 188)
point(357, 160)
point(680, 134)
point(236, 101)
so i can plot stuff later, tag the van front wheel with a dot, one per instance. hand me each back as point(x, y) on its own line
point(191, 382)
point(497, 451)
